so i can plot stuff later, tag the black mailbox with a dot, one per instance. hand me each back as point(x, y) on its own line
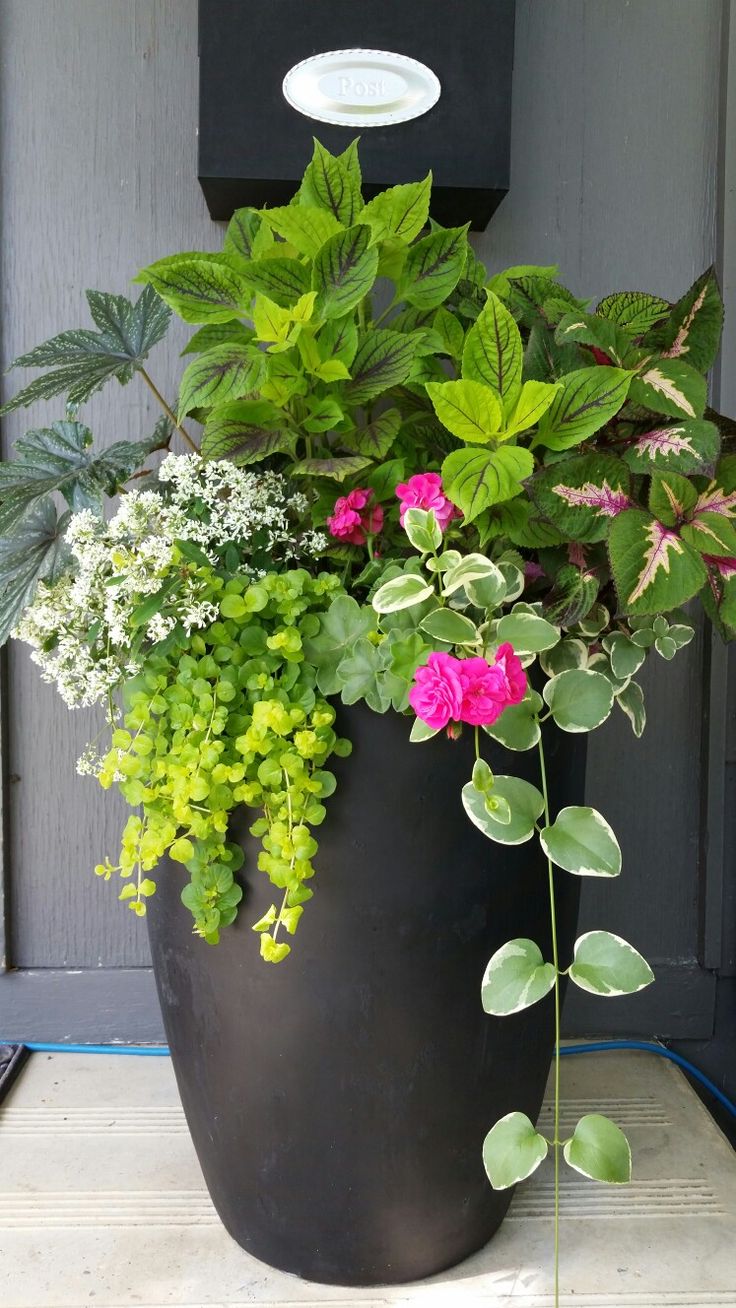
point(446, 105)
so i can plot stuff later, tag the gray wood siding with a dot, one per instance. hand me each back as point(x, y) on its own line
point(613, 177)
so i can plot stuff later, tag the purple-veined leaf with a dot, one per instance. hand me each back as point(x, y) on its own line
point(688, 446)
point(475, 479)
point(246, 432)
point(384, 359)
point(433, 267)
point(375, 440)
point(333, 182)
point(225, 372)
point(581, 495)
point(653, 568)
point(493, 352)
point(337, 469)
point(344, 270)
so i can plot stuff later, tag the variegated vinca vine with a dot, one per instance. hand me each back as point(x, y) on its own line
point(457, 473)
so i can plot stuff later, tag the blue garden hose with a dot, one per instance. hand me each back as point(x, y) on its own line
point(594, 1047)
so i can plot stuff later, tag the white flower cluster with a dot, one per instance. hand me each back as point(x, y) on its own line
point(80, 627)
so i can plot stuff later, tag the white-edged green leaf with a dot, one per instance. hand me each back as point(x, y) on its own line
point(401, 593)
point(599, 1149)
point(528, 633)
point(515, 978)
point(524, 800)
point(423, 530)
point(604, 964)
point(472, 568)
point(512, 1150)
point(569, 653)
point(580, 700)
point(518, 728)
point(625, 655)
point(421, 731)
point(581, 841)
point(451, 627)
point(631, 701)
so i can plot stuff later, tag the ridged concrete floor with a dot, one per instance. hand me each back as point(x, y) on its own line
point(102, 1203)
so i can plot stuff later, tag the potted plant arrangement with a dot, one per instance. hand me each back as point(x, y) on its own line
point(432, 516)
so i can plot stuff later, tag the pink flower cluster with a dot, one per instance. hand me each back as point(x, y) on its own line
point(354, 517)
point(424, 491)
point(447, 689)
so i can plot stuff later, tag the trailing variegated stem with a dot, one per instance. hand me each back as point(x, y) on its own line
point(556, 1143)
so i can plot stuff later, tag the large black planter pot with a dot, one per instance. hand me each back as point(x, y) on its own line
point(338, 1101)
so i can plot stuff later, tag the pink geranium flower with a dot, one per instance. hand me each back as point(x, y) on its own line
point(437, 693)
point(354, 517)
point(448, 690)
point(424, 491)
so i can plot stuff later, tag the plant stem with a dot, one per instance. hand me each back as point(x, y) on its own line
point(169, 412)
point(556, 965)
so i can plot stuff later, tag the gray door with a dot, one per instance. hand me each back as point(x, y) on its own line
point(616, 176)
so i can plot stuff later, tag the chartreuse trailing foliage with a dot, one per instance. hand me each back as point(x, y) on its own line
point(414, 481)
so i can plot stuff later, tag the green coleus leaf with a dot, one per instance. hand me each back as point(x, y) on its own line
point(572, 595)
point(516, 977)
point(468, 409)
point(400, 212)
point(536, 300)
point(283, 280)
point(582, 494)
point(338, 339)
point(670, 386)
point(579, 699)
point(34, 551)
point(477, 479)
point(344, 270)
point(604, 964)
point(671, 497)
point(545, 360)
point(636, 311)
point(493, 352)
point(337, 469)
point(341, 627)
point(241, 236)
point(711, 533)
point(217, 333)
point(200, 287)
point(433, 267)
point(304, 226)
point(600, 333)
point(599, 1149)
point(653, 568)
point(692, 330)
point(375, 439)
point(60, 458)
point(246, 432)
point(688, 446)
point(512, 1150)
point(82, 361)
point(586, 401)
point(533, 401)
point(225, 372)
point(333, 182)
point(384, 359)
point(524, 801)
point(582, 842)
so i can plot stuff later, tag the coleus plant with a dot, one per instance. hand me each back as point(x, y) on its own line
point(413, 483)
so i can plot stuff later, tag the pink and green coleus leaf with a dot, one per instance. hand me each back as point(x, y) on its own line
point(671, 497)
point(688, 446)
point(670, 386)
point(583, 494)
point(654, 569)
point(693, 329)
point(588, 398)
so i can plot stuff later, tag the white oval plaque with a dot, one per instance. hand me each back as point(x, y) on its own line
point(361, 88)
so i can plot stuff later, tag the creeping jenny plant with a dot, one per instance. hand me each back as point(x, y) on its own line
point(406, 482)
